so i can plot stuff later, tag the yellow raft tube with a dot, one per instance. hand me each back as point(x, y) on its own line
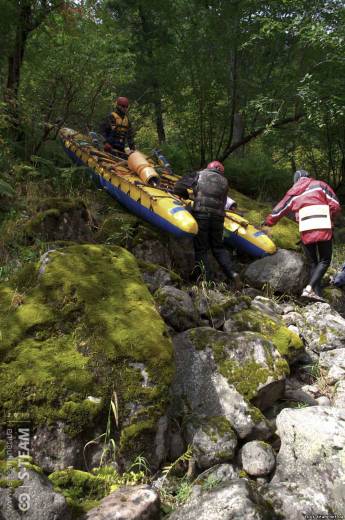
point(135, 183)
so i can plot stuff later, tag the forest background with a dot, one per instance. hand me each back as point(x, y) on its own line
point(258, 85)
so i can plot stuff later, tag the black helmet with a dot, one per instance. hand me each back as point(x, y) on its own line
point(298, 174)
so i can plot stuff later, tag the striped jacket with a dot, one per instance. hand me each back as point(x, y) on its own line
point(306, 192)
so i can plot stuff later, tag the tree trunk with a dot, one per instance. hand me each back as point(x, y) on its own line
point(157, 99)
point(159, 116)
point(15, 60)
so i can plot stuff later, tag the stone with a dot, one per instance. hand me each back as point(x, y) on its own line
point(285, 272)
point(128, 503)
point(176, 308)
point(323, 328)
point(201, 388)
point(312, 453)
point(257, 458)
point(213, 440)
point(34, 492)
point(295, 501)
point(333, 362)
point(233, 500)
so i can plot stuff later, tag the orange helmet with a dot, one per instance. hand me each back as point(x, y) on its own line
point(122, 102)
point(216, 165)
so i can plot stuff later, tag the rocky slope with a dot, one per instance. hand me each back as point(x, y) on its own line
point(117, 365)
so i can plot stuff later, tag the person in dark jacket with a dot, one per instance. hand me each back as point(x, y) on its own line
point(315, 205)
point(117, 129)
point(210, 189)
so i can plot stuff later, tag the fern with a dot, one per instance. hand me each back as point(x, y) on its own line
point(6, 189)
point(185, 457)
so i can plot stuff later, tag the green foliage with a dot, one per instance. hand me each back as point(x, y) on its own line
point(256, 174)
point(83, 490)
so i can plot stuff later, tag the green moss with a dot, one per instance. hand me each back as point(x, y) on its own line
point(84, 490)
point(246, 378)
point(135, 436)
point(221, 424)
point(285, 234)
point(12, 484)
point(256, 414)
point(322, 338)
point(75, 333)
point(285, 340)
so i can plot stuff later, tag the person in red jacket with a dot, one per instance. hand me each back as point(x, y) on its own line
point(315, 205)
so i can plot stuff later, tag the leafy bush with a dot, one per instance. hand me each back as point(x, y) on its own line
point(256, 175)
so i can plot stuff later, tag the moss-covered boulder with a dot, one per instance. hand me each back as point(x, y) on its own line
point(59, 219)
point(214, 440)
point(286, 341)
point(225, 376)
point(83, 338)
point(25, 492)
point(83, 490)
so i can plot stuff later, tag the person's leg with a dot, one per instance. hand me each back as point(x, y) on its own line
point(324, 249)
point(201, 246)
point(219, 251)
point(312, 256)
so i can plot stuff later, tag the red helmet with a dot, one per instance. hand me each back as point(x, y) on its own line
point(122, 101)
point(216, 165)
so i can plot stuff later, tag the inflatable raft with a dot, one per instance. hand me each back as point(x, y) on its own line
point(136, 184)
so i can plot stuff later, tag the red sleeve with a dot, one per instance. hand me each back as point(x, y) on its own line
point(282, 208)
point(332, 200)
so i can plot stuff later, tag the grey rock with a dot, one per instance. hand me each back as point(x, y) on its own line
point(333, 362)
point(312, 451)
point(53, 449)
point(37, 494)
point(176, 445)
point(295, 501)
point(234, 500)
point(323, 400)
point(267, 306)
point(285, 272)
point(295, 391)
point(214, 441)
point(182, 255)
point(153, 252)
point(177, 308)
point(323, 328)
point(339, 395)
point(205, 392)
point(257, 458)
point(218, 474)
point(157, 278)
point(128, 503)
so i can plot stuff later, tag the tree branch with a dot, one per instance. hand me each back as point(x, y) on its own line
point(228, 150)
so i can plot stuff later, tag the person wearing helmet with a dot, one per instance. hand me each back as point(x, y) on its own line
point(210, 189)
point(117, 130)
point(315, 206)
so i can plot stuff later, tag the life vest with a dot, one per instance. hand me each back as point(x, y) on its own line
point(316, 216)
point(121, 125)
point(210, 192)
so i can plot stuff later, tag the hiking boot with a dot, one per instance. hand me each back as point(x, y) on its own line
point(309, 293)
